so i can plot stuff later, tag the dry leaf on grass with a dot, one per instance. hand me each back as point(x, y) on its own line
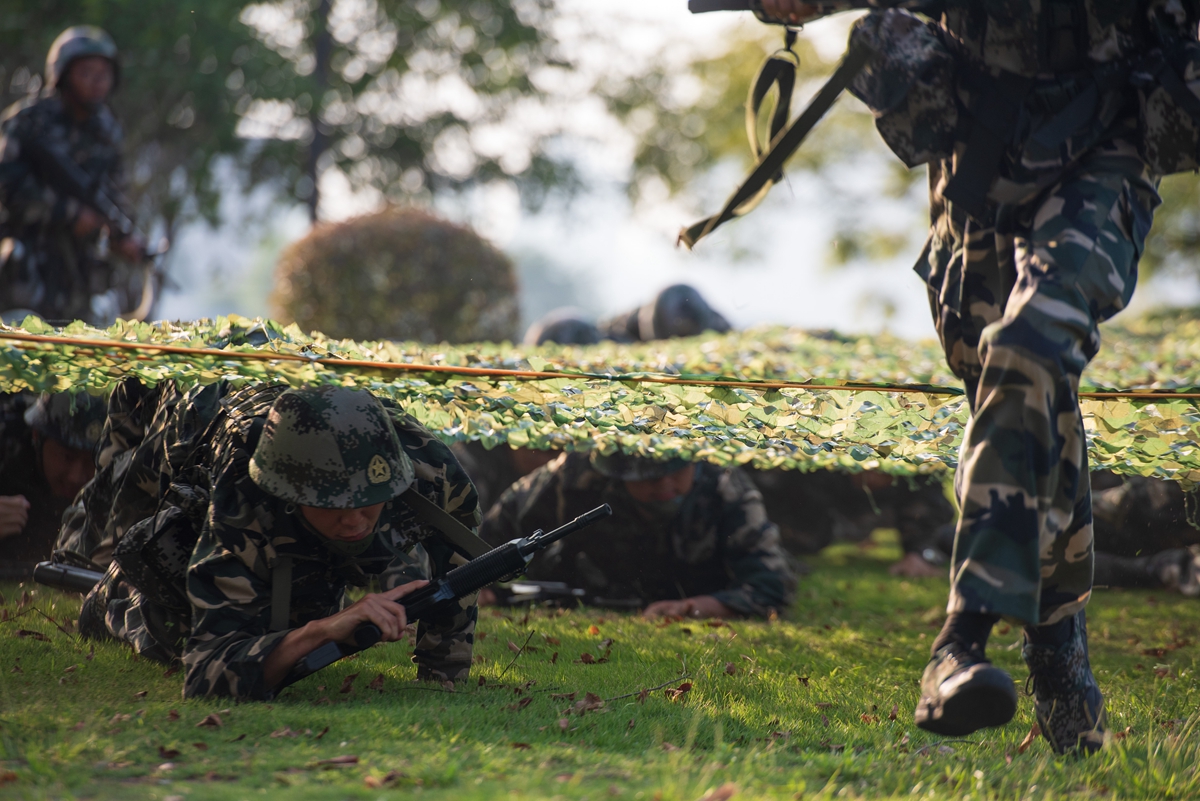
point(895, 711)
point(730, 669)
point(564, 696)
point(348, 683)
point(32, 635)
point(377, 683)
point(1034, 733)
point(173, 715)
point(7, 776)
point(200, 746)
point(590, 703)
point(669, 747)
point(376, 782)
point(338, 761)
point(551, 640)
point(593, 629)
point(524, 702)
point(286, 731)
point(212, 721)
point(678, 693)
point(322, 733)
point(585, 659)
point(167, 753)
point(803, 680)
point(141, 695)
point(723, 793)
point(512, 646)
point(522, 746)
point(564, 723)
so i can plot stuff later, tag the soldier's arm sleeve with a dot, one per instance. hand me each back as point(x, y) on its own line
point(761, 580)
point(24, 199)
point(230, 639)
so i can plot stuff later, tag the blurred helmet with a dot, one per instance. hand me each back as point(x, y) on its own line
point(565, 326)
point(624, 467)
point(79, 427)
point(79, 42)
point(332, 448)
point(679, 311)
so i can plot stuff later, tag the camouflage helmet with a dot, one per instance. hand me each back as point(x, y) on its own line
point(80, 427)
point(624, 467)
point(679, 311)
point(332, 448)
point(565, 326)
point(79, 42)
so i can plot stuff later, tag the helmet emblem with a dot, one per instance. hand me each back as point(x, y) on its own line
point(378, 471)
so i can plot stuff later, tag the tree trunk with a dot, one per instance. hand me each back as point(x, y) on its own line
point(322, 50)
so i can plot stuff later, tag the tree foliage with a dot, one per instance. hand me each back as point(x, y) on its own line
point(407, 99)
point(402, 274)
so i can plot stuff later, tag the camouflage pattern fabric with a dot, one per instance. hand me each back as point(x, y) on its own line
point(229, 579)
point(46, 268)
point(814, 510)
point(75, 421)
point(21, 474)
point(717, 541)
point(1135, 516)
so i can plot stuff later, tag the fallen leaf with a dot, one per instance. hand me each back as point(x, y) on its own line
point(141, 695)
point(593, 629)
point(238, 739)
point(522, 746)
point(586, 659)
point(481, 635)
point(512, 646)
point(823, 705)
point(685, 630)
point(322, 733)
point(895, 711)
point(286, 731)
point(723, 793)
point(1034, 733)
point(524, 702)
point(212, 721)
point(803, 680)
point(448, 686)
point(669, 747)
point(730, 669)
point(348, 759)
point(642, 696)
point(945, 749)
point(869, 718)
point(590, 703)
point(348, 683)
point(1162, 671)
point(1154, 652)
point(554, 657)
point(171, 671)
point(632, 723)
point(606, 643)
point(173, 715)
point(119, 718)
point(1121, 735)
point(167, 753)
point(564, 696)
point(376, 782)
point(677, 693)
point(200, 746)
point(78, 726)
point(715, 624)
point(551, 640)
point(1004, 628)
point(564, 723)
point(17, 669)
point(377, 683)
point(7, 776)
point(824, 721)
point(33, 635)
point(91, 654)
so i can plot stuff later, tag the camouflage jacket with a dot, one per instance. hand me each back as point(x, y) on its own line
point(21, 474)
point(719, 542)
point(51, 271)
point(230, 574)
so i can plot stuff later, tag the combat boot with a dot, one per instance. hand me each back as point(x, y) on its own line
point(962, 692)
point(1067, 700)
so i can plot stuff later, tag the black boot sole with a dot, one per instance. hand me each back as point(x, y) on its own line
point(984, 700)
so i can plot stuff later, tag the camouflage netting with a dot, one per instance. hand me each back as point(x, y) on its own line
point(599, 407)
point(400, 274)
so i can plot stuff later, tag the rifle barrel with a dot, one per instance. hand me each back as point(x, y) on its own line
point(704, 6)
point(584, 520)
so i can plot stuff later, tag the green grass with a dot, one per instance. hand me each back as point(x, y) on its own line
point(74, 723)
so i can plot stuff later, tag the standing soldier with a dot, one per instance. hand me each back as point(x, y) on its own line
point(1042, 193)
point(62, 211)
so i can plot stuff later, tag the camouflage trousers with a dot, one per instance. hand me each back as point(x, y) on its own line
point(115, 609)
point(1017, 306)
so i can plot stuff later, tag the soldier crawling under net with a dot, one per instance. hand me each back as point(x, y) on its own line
point(279, 536)
point(685, 538)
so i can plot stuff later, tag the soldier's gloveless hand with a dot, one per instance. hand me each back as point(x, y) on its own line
point(131, 249)
point(379, 608)
point(87, 222)
point(698, 607)
point(14, 514)
point(793, 11)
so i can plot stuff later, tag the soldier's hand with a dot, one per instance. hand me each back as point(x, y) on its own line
point(699, 607)
point(14, 514)
point(87, 222)
point(793, 11)
point(380, 608)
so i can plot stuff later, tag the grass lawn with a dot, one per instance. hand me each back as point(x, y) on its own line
point(816, 706)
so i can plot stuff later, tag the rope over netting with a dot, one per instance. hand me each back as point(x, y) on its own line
point(733, 399)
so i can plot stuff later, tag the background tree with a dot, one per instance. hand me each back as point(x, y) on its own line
point(405, 97)
point(400, 274)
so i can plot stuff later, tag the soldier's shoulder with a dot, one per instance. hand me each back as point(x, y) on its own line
point(733, 484)
point(32, 112)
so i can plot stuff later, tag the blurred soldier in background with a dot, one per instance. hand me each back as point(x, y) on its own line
point(684, 539)
point(46, 457)
point(62, 212)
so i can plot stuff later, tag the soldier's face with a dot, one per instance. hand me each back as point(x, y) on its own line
point(346, 525)
point(89, 80)
point(67, 470)
point(668, 488)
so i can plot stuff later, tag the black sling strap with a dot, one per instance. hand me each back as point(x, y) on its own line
point(460, 538)
point(770, 166)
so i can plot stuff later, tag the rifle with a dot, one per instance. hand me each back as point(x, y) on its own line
point(557, 593)
point(442, 595)
point(66, 577)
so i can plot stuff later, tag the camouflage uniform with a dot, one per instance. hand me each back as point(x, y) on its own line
point(1023, 265)
point(21, 471)
point(814, 510)
point(677, 311)
point(717, 541)
point(244, 532)
point(44, 267)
